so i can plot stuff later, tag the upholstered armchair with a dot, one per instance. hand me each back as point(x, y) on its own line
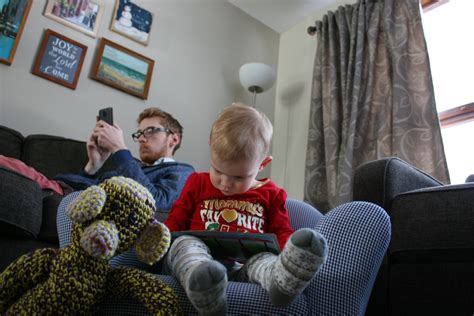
point(358, 235)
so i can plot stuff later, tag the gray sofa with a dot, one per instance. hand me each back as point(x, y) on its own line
point(28, 214)
point(429, 265)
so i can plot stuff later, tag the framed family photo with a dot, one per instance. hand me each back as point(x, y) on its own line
point(122, 68)
point(132, 21)
point(60, 59)
point(13, 15)
point(83, 16)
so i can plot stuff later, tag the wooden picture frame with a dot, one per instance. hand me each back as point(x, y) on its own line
point(60, 59)
point(83, 16)
point(13, 15)
point(132, 21)
point(122, 69)
point(431, 4)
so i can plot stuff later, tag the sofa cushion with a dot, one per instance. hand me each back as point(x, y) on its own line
point(10, 142)
point(51, 155)
point(21, 203)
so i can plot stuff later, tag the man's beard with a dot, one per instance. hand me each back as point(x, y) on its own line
point(148, 157)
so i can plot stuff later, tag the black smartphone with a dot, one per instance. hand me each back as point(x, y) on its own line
point(107, 115)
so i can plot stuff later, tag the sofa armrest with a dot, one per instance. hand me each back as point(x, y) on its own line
point(20, 205)
point(433, 224)
point(10, 142)
point(380, 181)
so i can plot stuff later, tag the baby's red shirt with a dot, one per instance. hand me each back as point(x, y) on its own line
point(203, 207)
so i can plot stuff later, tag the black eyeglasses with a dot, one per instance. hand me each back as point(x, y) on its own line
point(149, 131)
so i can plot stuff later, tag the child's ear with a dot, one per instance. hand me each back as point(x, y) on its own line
point(265, 162)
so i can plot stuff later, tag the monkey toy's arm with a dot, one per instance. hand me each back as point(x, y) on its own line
point(23, 274)
point(145, 287)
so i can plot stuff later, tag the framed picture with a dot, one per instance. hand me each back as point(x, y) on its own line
point(13, 14)
point(431, 4)
point(60, 59)
point(132, 21)
point(83, 16)
point(123, 69)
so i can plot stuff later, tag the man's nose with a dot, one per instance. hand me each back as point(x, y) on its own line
point(142, 139)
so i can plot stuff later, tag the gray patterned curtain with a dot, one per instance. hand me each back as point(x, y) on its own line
point(372, 97)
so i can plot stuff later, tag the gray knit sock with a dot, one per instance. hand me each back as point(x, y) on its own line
point(303, 255)
point(203, 279)
point(207, 285)
point(287, 275)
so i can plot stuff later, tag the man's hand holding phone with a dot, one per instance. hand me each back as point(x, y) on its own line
point(105, 140)
point(108, 136)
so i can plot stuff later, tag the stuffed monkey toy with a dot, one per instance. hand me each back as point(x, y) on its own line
point(108, 219)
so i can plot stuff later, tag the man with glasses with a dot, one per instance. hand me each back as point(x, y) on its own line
point(159, 135)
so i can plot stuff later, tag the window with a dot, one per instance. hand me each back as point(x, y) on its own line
point(448, 32)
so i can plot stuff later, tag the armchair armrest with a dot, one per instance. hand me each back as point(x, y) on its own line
point(380, 181)
point(433, 224)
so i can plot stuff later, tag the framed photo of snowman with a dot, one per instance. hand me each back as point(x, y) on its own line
point(83, 16)
point(132, 21)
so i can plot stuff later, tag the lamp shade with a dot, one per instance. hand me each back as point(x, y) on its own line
point(256, 77)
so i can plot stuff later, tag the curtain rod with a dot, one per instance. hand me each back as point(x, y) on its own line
point(311, 30)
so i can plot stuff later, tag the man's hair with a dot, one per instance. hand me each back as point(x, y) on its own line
point(241, 132)
point(166, 119)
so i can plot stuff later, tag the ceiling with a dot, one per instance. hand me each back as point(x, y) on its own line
point(281, 15)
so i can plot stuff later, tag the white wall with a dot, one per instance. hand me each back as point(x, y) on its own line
point(198, 47)
point(293, 90)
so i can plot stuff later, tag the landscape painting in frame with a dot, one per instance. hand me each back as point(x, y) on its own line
point(82, 15)
point(122, 68)
point(13, 15)
point(132, 21)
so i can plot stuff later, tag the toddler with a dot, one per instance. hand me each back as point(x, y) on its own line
point(230, 198)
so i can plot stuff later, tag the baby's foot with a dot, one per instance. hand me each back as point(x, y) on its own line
point(207, 288)
point(304, 253)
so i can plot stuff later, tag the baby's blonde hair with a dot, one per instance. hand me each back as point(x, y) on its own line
point(241, 132)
